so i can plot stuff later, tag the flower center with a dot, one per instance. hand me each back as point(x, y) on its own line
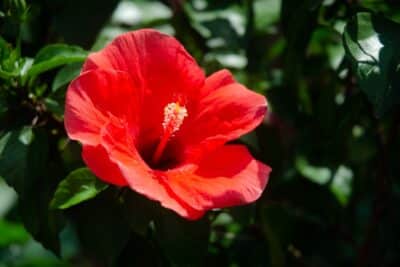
point(174, 114)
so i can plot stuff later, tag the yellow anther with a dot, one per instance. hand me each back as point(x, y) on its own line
point(174, 115)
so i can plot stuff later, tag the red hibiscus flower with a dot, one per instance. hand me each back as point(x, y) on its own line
point(148, 118)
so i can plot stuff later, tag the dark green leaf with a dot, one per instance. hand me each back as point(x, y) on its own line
point(185, 242)
point(81, 25)
point(13, 155)
point(277, 229)
point(43, 224)
point(54, 107)
point(24, 166)
point(65, 75)
point(101, 227)
point(372, 44)
point(298, 19)
point(53, 56)
point(5, 49)
point(139, 211)
point(79, 186)
point(140, 251)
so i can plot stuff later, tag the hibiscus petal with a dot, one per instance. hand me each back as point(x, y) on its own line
point(230, 111)
point(152, 58)
point(95, 96)
point(230, 176)
point(160, 65)
point(217, 80)
point(98, 161)
point(139, 176)
point(225, 113)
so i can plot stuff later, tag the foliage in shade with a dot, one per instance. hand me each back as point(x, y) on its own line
point(66, 75)
point(330, 72)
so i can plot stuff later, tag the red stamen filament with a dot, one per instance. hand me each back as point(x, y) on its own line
point(174, 114)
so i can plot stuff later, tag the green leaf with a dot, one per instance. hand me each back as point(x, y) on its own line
point(5, 49)
point(9, 61)
point(24, 164)
point(8, 198)
point(65, 75)
point(266, 13)
point(319, 175)
point(43, 224)
point(277, 226)
point(372, 44)
point(13, 155)
point(222, 28)
point(341, 185)
point(185, 242)
point(298, 18)
point(101, 226)
point(140, 13)
point(53, 56)
point(138, 210)
point(79, 186)
point(12, 233)
point(54, 107)
point(72, 23)
point(140, 251)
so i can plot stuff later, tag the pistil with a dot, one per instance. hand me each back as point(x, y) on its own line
point(174, 115)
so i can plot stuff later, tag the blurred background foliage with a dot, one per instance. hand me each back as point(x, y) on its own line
point(331, 72)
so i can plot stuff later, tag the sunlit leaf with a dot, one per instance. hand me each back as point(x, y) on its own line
point(8, 198)
point(53, 56)
point(79, 186)
point(372, 44)
point(140, 12)
point(319, 175)
point(266, 13)
point(341, 185)
point(12, 233)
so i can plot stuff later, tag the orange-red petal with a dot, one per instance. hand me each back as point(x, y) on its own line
point(98, 161)
point(159, 65)
point(93, 98)
point(226, 110)
point(215, 81)
point(138, 175)
point(229, 176)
